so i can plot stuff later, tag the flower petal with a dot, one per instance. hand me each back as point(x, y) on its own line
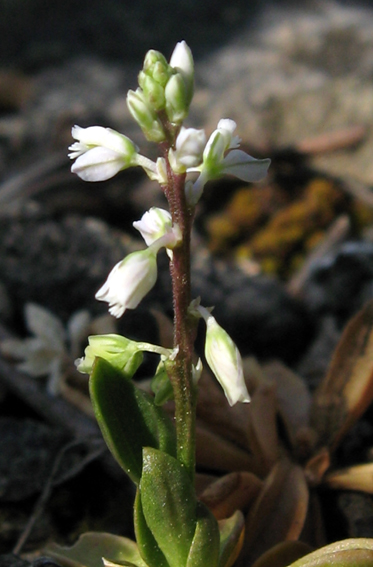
point(244, 166)
point(98, 164)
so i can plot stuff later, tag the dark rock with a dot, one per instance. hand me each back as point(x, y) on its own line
point(358, 511)
point(256, 311)
point(27, 451)
point(341, 282)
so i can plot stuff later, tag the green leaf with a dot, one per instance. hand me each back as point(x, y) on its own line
point(148, 547)
point(128, 418)
point(206, 541)
point(169, 505)
point(161, 385)
point(91, 547)
point(231, 538)
point(347, 553)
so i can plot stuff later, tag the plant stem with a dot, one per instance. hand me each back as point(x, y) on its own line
point(184, 324)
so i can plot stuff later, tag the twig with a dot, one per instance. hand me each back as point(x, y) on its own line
point(27, 182)
point(358, 190)
point(336, 234)
point(43, 499)
point(55, 410)
point(332, 141)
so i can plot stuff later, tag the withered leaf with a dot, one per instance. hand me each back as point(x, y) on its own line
point(280, 510)
point(358, 477)
point(234, 491)
point(347, 390)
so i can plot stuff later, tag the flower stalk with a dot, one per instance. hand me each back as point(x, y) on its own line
point(180, 370)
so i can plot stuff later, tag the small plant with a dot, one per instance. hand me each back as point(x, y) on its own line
point(172, 527)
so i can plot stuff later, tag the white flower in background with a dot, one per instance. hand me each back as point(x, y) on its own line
point(51, 347)
point(224, 359)
point(217, 162)
point(154, 224)
point(188, 149)
point(100, 153)
point(129, 281)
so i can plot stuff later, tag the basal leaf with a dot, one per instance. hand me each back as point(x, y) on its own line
point(91, 547)
point(169, 505)
point(148, 547)
point(206, 540)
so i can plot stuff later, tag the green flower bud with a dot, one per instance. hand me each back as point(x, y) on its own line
point(176, 99)
point(117, 350)
point(156, 66)
point(145, 116)
point(153, 91)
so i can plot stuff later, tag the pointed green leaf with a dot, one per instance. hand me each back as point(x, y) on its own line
point(161, 385)
point(169, 504)
point(231, 538)
point(206, 541)
point(128, 418)
point(91, 547)
point(148, 547)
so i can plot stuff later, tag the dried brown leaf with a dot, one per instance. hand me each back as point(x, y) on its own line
point(347, 390)
point(317, 466)
point(283, 554)
point(216, 453)
point(293, 397)
point(279, 512)
point(262, 431)
point(359, 477)
point(213, 409)
point(234, 491)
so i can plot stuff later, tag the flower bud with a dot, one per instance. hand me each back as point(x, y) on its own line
point(217, 163)
point(154, 224)
point(145, 116)
point(129, 281)
point(182, 61)
point(188, 149)
point(156, 66)
point(153, 91)
point(176, 99)
point(100, 153)
point(117, 350)
point(224, 359)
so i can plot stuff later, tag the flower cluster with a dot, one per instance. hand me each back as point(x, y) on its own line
point(159, 106)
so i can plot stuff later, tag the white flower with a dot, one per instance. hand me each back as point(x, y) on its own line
point(217, 162)
point(224, 359)
point(129, 281)
point(46, 353)
point(154, 224)
point(182, 61)
point(100, 153)
point(188, 149)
